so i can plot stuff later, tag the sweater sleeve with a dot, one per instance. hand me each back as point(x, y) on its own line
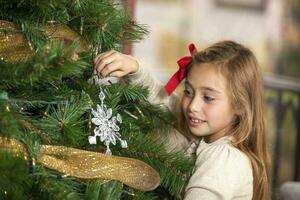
point(157, 93)
point(222, 172)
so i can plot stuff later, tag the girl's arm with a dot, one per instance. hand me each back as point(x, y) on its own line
point(157, 93)
point(113, 63)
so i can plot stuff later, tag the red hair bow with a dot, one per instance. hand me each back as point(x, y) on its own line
point(181, 73)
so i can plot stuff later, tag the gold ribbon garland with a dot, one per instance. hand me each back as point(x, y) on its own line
point(15, 47)
point(13, 43)
point(91, 165)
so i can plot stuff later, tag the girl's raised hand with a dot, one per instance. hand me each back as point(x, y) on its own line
point(114, 63)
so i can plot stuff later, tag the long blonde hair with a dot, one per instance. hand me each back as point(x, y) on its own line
point(239, 66)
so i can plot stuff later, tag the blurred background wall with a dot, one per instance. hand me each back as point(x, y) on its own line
point(270, 28)
point(173, 24)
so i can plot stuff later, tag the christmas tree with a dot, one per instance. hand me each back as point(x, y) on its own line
point(50, 105)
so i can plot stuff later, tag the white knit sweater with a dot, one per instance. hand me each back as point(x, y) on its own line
point(222, 172)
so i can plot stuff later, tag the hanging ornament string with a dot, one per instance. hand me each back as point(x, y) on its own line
point(106, 124)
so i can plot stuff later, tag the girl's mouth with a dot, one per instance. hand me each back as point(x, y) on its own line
point(195, 122)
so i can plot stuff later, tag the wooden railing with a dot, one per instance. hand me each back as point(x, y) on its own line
point(281, 85)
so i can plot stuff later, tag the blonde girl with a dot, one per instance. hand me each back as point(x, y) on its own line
point(221, 114)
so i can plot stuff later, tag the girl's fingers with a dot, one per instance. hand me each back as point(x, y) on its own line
point(113, 63)
point(117, 73)
point(99, 58)
point(102, 55)
point(109, 68)
point(103, 62)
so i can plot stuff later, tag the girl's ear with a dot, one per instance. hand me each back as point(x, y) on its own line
point(237, 112)
point(235, 119)
point(238, 115)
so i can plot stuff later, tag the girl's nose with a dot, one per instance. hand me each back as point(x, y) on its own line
point(195, 104)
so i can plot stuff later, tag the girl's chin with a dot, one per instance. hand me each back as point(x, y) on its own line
point(196, 132)
point(199, 131)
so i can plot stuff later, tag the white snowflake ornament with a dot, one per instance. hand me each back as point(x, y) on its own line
point(106, 126)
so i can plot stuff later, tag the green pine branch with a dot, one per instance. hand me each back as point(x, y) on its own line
point(173, 167)
point(15, 182)
point(54, 186)
point(142, 127)
point(49, 65)
point(105, 190)
point(65, 123)
point(103, 24)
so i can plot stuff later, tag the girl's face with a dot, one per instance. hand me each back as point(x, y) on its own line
point(206, 104)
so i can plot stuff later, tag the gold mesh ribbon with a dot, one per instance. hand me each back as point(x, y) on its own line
point(14, 46)
point(92, 165)
point(13, 43)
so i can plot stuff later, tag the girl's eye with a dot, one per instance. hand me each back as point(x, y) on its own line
point(208, 98)
point(188, 93)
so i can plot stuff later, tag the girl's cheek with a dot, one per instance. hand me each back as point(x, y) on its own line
point(207, 108)
point(210, 110)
